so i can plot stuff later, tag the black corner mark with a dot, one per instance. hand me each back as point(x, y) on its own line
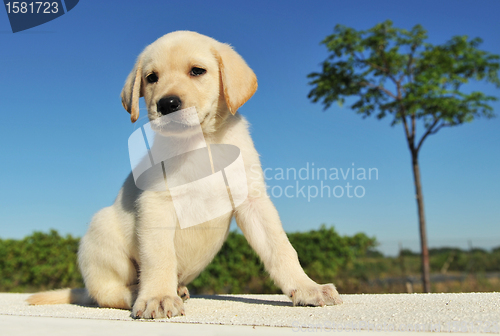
point(70, 4)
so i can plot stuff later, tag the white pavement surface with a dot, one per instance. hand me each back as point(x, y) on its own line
point(393, 314)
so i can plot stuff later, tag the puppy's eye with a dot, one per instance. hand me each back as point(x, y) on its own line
point(195, 71)
point(152, 78)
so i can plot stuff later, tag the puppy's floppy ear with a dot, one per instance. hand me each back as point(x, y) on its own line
point(132, 91)
point(238, 80)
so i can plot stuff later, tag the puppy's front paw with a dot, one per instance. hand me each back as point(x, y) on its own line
point(317, 295)
point(158, 307)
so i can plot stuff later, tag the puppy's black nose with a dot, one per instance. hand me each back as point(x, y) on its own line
point(169, 104)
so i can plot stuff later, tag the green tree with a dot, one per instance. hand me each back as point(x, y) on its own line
point(394, 72)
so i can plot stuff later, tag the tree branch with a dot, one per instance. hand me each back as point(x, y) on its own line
point(409, 68)
point(409, 137)
point(371, 64)
point(384, 70)
point(381, 88)
point(387, 67)
point(443, 124)
point(430, 130)
point(413, 126)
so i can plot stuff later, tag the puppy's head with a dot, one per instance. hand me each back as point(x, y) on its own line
point(185, 69)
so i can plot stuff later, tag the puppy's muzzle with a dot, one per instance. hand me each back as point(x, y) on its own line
point(168, 105)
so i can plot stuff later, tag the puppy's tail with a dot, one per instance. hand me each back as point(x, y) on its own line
point(59, 296)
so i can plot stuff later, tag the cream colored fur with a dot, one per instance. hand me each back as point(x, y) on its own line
point(140, 230)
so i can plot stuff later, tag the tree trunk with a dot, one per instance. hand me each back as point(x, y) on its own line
point(421, 218)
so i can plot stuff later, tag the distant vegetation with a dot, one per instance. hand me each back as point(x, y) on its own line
point(39, 261)
point(47, 260)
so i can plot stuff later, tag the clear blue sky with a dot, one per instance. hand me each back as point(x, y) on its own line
point(64, 132)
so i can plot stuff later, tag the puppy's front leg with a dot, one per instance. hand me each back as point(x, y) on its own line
point(258, 219)
point(157, 296)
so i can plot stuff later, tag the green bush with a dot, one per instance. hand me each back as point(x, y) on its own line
point(47, 261)
point(40, 261)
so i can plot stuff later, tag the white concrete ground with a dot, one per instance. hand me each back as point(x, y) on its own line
point(393, 314)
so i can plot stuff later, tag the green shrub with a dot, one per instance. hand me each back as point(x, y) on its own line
point(47, 261)
point(40, 261)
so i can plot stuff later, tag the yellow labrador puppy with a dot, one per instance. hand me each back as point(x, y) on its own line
point(135, 255)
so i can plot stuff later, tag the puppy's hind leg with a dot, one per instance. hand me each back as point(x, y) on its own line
point(183, 292)
point(109, 273)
